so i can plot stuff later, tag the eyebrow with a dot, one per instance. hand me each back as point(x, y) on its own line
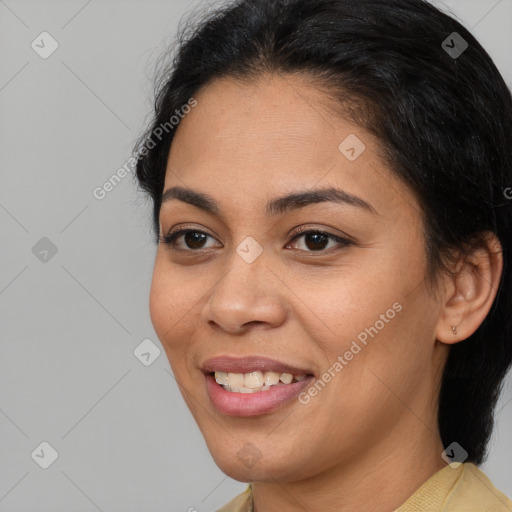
point(279, 205)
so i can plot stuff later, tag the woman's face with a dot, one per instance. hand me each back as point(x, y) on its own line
point(351, 314)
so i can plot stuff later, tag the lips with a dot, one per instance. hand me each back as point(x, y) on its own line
point(249, 364)
point(233, 403)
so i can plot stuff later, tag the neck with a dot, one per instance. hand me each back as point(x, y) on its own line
point(380, 480)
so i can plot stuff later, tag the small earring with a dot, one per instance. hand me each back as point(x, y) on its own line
point(454, 330)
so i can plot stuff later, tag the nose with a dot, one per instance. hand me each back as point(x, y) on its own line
point(247, 294)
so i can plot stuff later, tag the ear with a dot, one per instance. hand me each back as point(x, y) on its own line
point(470, 291)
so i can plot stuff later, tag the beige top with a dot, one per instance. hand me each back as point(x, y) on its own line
point(462, 489)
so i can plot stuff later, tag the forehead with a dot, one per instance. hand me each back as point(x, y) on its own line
point(271, 116)
point(248, 141)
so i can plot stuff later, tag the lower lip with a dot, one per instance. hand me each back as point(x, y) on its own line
point(252, 404)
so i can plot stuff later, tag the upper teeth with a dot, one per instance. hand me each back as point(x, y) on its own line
point(253, 381)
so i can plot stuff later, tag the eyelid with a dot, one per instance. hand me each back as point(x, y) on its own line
point(292, 233)
point(342, 241)
point(178, 233)
point(185, 227)
point(325, 230)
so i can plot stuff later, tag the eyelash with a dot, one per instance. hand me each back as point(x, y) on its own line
point(171, 238)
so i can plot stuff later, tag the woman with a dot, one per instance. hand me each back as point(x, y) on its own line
point(332, 284)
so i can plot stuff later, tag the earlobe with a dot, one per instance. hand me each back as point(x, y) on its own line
point(470, 291)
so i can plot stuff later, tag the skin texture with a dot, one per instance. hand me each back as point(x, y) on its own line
point(369, 438)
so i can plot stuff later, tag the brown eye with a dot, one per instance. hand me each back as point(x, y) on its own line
point(317, 241)
point(193, 238)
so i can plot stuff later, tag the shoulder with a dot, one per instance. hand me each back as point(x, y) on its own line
point(475, 491)
point(240, 503)
point(461, 488)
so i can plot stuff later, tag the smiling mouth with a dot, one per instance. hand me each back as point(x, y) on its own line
point(254, 382)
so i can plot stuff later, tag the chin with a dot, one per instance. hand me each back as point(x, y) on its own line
point(239, 472)
point(248, 464)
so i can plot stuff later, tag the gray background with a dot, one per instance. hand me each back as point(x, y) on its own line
point(69, 325)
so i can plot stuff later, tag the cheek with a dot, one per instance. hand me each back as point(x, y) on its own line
point(344, 308)
point(385, 347)
point(170, 306)
point(161, 298)
point(376, 315)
